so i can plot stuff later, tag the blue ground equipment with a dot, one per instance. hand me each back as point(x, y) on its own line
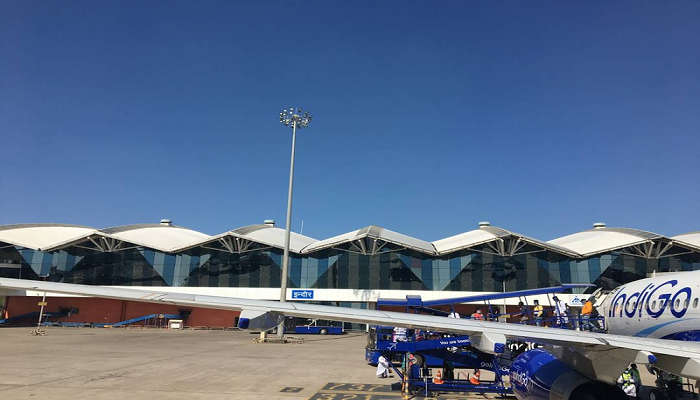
point(28, 317)
point(150, 319)
point(318, 327)
point(415, 354)
point(415, 359)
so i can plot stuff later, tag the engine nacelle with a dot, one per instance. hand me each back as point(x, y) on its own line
point(538, 375)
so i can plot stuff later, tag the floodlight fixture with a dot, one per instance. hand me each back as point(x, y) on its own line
point(295, 118)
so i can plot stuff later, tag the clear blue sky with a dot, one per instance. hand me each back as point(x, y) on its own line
point(541, 117)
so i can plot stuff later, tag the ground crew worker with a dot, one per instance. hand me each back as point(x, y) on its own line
point(571, 315)
point(494, 314)
point(538, 313)
point(637, 378)
point(524, 313)
point(560, 312)
point(586, 312)
point(474, 379)
point(414, 366)
point(626, 382)
point(448, 371)
point(383, 370)
point(478, 315)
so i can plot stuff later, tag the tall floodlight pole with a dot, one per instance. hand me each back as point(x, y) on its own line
point(296, 119)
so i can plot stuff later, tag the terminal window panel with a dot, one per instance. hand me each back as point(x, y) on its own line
point(398, 269)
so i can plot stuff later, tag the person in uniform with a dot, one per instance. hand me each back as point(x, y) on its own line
point(478, 315)
point(571, 315)
point(626, 382)
point(636, 377)
point(523, 313)
point(538, 313)
point(383, 370)
point(475, 379)
point(560, 312)
point(586, 312)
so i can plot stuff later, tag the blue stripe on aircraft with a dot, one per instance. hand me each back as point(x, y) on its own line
point(648, 331)
point(688, 336)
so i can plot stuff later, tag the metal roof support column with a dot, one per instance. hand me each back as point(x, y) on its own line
point(228, 245)
point(98, 245)
point(661, 251)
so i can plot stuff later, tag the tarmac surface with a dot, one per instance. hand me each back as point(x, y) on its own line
point(148, 364)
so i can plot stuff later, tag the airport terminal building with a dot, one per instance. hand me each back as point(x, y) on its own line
point(352, 269)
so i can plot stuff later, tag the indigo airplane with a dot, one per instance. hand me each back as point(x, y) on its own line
point(641, 317)
point(664, 307)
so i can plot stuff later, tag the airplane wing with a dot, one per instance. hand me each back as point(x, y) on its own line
point(596, 355)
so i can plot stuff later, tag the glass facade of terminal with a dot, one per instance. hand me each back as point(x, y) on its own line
point(466, 270)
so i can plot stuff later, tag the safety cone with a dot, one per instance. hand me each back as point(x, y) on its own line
point(438, 378)
point(474, 379)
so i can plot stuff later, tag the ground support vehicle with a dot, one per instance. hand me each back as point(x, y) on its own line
point(318, 327)
point(430, 362)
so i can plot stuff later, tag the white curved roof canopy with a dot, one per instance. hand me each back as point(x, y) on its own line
point(601, 240)
point(464, 241)
point(690, 238)
point(487, 234)
point(373, 232)
point(368, 240)
point(40, 236)
point(163, 237)
point(273, 236)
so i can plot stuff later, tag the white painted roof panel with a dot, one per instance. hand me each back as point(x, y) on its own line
point(40, 236)
point(333, 241)
point(273, 236)
point(691, 238)
point(170, 238)
point(602, 240)
point(376, 232)
point(489, 233)
point(161, 237)
point(463, 241)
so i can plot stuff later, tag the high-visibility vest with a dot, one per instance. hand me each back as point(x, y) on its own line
point(438, 378)
point(587, 308)
point(538, 310)
point(627, 378)
point(474, 379)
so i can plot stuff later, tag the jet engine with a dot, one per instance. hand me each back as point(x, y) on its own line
point(538, 375)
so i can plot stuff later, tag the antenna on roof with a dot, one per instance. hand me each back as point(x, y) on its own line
point(599, 225)
point(484, 223)
point(270, 222)
point(166, 221)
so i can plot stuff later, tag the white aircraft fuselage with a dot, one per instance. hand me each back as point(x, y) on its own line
point(663, 307)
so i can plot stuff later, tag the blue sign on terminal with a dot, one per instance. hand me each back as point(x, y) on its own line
point(303, 294)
